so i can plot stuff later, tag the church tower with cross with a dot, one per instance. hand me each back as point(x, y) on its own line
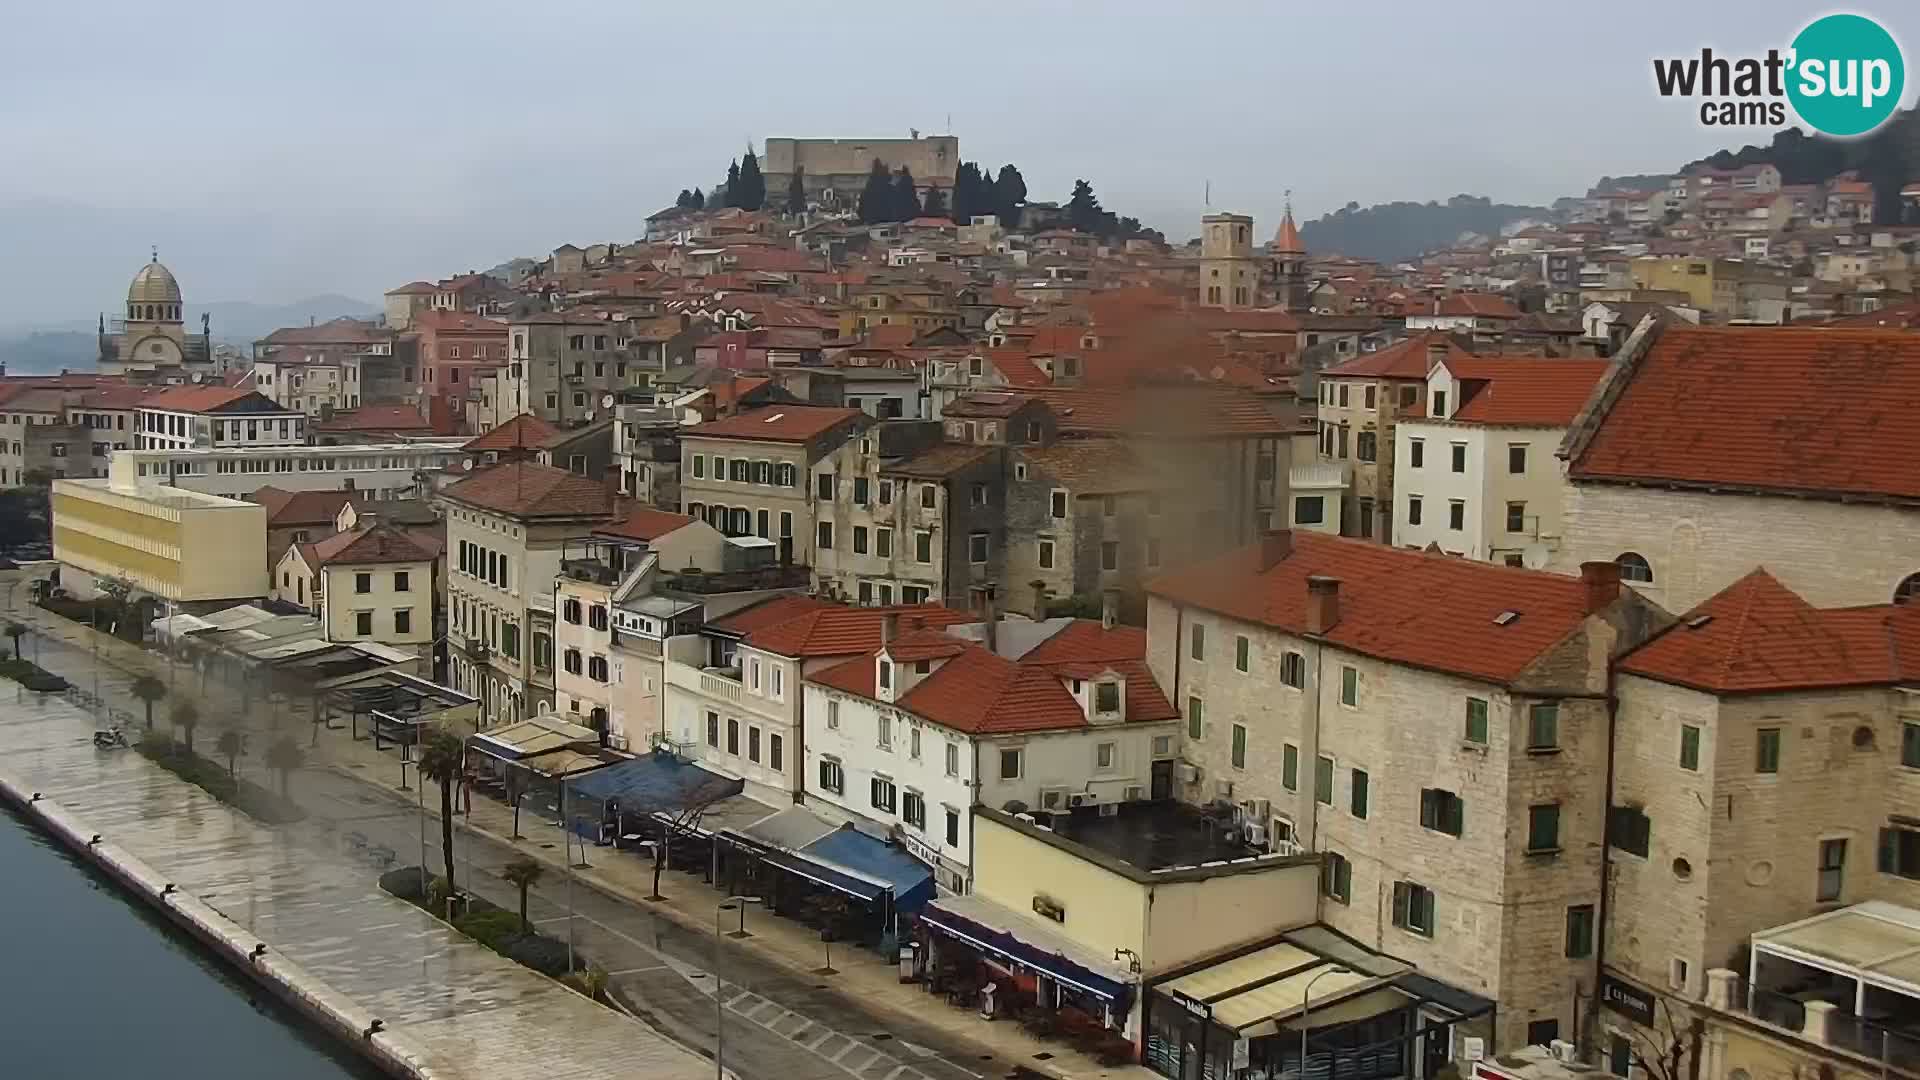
point(151, 338)
point(1290, 263)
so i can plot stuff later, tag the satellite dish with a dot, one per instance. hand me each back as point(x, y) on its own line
point(1534, 556)
point(606, 401)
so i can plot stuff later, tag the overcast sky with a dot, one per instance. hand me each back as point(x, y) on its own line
point(277, 151)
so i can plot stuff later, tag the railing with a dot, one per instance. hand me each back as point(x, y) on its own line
point(719, 686)
point(1864, 1037)
point(1770, 1007)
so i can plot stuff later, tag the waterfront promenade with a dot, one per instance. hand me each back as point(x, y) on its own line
point(450, 1008)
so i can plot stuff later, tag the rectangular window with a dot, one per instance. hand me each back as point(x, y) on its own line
point(1833, 866)
point(363, 583)
point(1309, 509)
point(1413, 509)
point(753, 744)
point(1460, 457)
point(1690, 747)
point(699, 466)
point(1046, 554)
point(883, 543)
point(1910, 745)
point(1456, 515)
point(1010, 762)
point(1349, 686)
point(1543, 726)
point(403, 621)
point(953, 759)
point(832, 777)
point(1109, 555)
point(1242, 653)
point(953, 828)
point(775, 753)
point(1766, 758)
point(713, 730)
point(824, 536)
point(1195, 723)
point(1543, 827)
point(929, 496)
point(913, 809)
point(1361, 790)
point(859, 539)
point(1439, 410)
point(1336, 877)
point(1323, 780)
point(1416, 453)
point(859, 491)
point(733, 736)
point(977, 548)
point(1197, 638)
point(882, 794)
point(1630, 830)
point(363, 623)
point(1290, 767)
point(1516, 517)
point(401, 582)
point(1517, 459)
point(1442, 811)
point(1580, 931)
point(923, 547)
point(1413, 908)
point(825, 487)
point(1477, 720)
point(1239, 746)
point(1105, 754)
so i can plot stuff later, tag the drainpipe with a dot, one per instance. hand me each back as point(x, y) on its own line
point(1604, 906)
point(1313, 753)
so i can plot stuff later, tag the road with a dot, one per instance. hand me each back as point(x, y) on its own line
point(779, 1026)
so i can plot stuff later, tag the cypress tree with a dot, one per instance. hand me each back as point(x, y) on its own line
point(753, 185)
point(906, 201)
point(732, 197)
point(1009, 193)
point(797, 191)
point(876, 199)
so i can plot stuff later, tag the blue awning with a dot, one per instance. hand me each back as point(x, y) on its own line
point(651, 783)
point(800, 866)
point(910, 880)
point(1015, 939)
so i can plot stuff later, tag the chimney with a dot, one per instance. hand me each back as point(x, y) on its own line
point(1275, 546)
point(1436, 349)
point(1323, 603)
point(889, 628)
point(1109, 608)
point(990, 614)
point(1039, 598)
point(1602, 580)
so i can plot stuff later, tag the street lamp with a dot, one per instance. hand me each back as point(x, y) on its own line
point(719, 988)
point(1306, 999)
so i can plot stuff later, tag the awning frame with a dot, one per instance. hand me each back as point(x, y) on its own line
point(932, 918)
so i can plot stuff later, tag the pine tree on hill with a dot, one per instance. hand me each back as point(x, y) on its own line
point(1009, 195)
point(753, 185)
point(1083, 208)
point(684, 200)
point(876, 199)
point(699, 200)
point(732, 197)
point(935, 204)
point(906, 200)
point(797, 191)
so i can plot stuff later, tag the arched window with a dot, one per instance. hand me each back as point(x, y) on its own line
point(1908, 591)
point(1634, 567)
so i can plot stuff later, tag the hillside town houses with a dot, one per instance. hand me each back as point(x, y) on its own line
point(1524, 636)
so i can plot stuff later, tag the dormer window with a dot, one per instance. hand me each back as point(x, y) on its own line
point(886, 674)
point(1106, 696)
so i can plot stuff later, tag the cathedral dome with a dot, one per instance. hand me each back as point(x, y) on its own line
point(154, 284)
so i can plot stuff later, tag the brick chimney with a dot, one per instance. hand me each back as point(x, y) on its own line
point(889, 628)
point(1602, 580)
point(1437, 346)
point(1109, 608)
point(1274, 547)
point(1323, 603)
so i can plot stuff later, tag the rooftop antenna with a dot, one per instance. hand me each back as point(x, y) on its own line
point(156, 253)
point(1209, 195)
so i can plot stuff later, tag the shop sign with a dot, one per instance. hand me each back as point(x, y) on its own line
point(1627, 1000)
point(1193, 1005)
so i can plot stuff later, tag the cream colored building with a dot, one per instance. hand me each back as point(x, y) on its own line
point(1229, 267)
point(1711, 450)
point(753, 474)
point(1480, 478)
point(370, 584)
point(152, 338)
point(1435, 728)
point(178, 545)
point(1361, 402)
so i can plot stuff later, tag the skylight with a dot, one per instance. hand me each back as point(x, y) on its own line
point(772, 418)
point(1505, 617)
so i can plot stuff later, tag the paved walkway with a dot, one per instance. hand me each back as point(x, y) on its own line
point(662, 961)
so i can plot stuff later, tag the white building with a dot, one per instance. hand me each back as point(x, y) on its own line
point(204, 416)
point(385, 470)
point(1059, 715)
point(1475, 469)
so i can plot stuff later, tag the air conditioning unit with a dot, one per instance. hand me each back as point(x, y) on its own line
point(1082, 798)
point(1473, 1048)
point(1109, 809)
point(1563, 1051)
point(1223, 789)
point(1257, 835)
point(1259, 809)
point(1135, 794)
point(1028, 818)
point(1190, 774)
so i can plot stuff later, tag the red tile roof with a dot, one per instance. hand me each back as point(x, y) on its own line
point(375, 544)
point(1813, 410)
point(342, 331)
point(523, 432)
point(769, 613)
point(1524, 391)
point(200, 399)
point(1408, 359)
point(412, 288)
point(1479, 305)
point(1192, 411)
point(986, 404)
point(646, 523)
point(979, 692)
point(527, 489)
point(286, 509)
point(777, 423)
point(1758, 636)
point(841, 630)
point(1425, 610)
point(374, 418)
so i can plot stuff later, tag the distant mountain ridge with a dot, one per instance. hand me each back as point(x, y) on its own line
point(47, 349)
point(1390, 232)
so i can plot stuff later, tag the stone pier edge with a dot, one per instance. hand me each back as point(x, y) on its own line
point(332, 1011)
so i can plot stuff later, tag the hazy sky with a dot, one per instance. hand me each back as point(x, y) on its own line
point(276, 151)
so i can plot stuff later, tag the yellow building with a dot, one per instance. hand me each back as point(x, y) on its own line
point(169, 542)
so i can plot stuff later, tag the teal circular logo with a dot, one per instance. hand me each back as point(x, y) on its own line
point(1846, 75)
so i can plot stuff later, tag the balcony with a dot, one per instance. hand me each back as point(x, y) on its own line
point(1843, 979)
point(721, 683)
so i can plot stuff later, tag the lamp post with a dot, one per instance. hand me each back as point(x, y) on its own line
point(1306, 1001)
point(719, 987)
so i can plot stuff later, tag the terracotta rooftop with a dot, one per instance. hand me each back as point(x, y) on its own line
point(527, 489)
point(645, 523)
point(1814, 411)
point(1524, 391)
point(841, 629)
point(769, 613)
point(1192, 411)
point(1092, 466)
point(977, 691)
point(987, 404)
point(341, 331)
point(777, 423)
point(1408, 359)
point(286, 509)
point(375, 544)
point(199, 399)
point(1479, 305)
point(523, 432)
point(1758, 636)
point(1425, 610)
point(939, 461)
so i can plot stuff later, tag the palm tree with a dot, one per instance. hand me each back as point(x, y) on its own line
point(283, 757)
point(149, 690)
point(523, 873)
point(17, 630)
point(442, 760)
point(231, 745)
point(185, 718)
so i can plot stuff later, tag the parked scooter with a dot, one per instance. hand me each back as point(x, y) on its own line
point(110, 739)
